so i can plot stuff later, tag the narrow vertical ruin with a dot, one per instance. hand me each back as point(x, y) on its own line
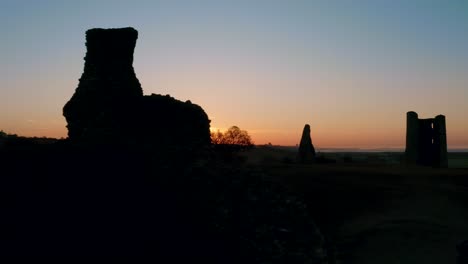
point(412, 137)
point(440, 142)
point(306, 148)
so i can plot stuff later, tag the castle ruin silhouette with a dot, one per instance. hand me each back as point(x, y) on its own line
point(426, 141)
point(109, 107)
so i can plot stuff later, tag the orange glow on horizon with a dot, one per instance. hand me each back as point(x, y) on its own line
point(351, 133)
point(320, 139)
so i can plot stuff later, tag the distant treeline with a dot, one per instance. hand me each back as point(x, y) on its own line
point(13, 139)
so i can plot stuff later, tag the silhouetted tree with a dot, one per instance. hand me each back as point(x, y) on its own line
point(217, 137)
point(234, 136)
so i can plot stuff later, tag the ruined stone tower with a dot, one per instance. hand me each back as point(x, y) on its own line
point(108, 87)
point(109, 107)
point(426, 141)
point(306, 148)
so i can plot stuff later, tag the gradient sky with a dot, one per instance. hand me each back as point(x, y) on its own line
point(351, 69)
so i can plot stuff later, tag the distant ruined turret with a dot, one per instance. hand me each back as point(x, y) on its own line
point(426, 141)
point(306, 148)
point(109, 106)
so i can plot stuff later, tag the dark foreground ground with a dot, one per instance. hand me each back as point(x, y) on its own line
point(261, 207)
point(377, 211)
point(172, 205)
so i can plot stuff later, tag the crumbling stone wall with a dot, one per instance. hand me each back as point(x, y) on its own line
point(426, 141)
point(167, 121)
point(109, 106)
